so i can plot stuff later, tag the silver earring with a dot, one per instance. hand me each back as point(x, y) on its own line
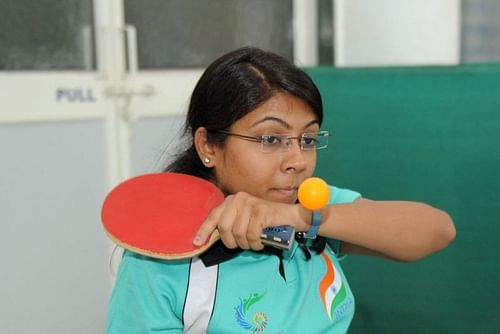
point(206, 160)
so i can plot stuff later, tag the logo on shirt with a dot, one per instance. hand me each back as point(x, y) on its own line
point(254, 322)
point(332, 289)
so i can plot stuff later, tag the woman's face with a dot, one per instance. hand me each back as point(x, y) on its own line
point(240, 165)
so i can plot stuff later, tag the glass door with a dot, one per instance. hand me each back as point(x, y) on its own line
point(169, 42)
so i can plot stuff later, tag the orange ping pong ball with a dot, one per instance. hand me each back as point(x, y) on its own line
point(313, 193)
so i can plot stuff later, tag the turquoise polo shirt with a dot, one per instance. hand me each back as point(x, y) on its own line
point(245, 294)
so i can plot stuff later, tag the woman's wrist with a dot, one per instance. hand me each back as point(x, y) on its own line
point(316, 221)
point(304, 219)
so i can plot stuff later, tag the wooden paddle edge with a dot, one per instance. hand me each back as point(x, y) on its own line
point(164, 256)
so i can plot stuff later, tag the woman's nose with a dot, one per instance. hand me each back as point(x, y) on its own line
point(294, 160)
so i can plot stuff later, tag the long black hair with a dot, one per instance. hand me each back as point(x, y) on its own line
point(231, 87)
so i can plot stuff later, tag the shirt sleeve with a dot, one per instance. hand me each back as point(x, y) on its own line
point(338, 196)
point(144, 298)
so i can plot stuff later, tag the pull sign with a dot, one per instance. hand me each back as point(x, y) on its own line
point(75, 95)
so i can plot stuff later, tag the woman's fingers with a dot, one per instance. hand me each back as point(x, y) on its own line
point(208, 226)
point(248, 223)
point(226, 222)
point(254, 230)
point(240, 221)
point(240, 225)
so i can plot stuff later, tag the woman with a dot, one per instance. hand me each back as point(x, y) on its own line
point(253, 129)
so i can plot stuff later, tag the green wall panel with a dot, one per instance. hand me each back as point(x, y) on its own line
point(428, 134)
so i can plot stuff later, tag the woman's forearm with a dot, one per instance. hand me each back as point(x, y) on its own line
point(404, 231)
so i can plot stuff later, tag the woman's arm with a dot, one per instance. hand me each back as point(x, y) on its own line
point(403, 231)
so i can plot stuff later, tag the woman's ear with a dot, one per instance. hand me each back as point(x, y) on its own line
point(206, 150)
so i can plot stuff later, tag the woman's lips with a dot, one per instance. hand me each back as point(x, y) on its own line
point(290, 193)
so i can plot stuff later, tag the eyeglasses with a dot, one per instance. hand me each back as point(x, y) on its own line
point(308, 141)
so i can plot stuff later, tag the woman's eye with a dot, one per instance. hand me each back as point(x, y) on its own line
point(308, 142)
point(271, 140)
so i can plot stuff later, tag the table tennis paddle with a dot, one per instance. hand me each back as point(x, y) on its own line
point(158, 215)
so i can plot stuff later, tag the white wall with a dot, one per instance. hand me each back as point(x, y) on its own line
point(55, 256)
point(54, 269)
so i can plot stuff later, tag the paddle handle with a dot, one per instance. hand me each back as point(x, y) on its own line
point(278, 236)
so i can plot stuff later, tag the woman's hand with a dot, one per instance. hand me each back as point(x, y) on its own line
point(241, 218)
